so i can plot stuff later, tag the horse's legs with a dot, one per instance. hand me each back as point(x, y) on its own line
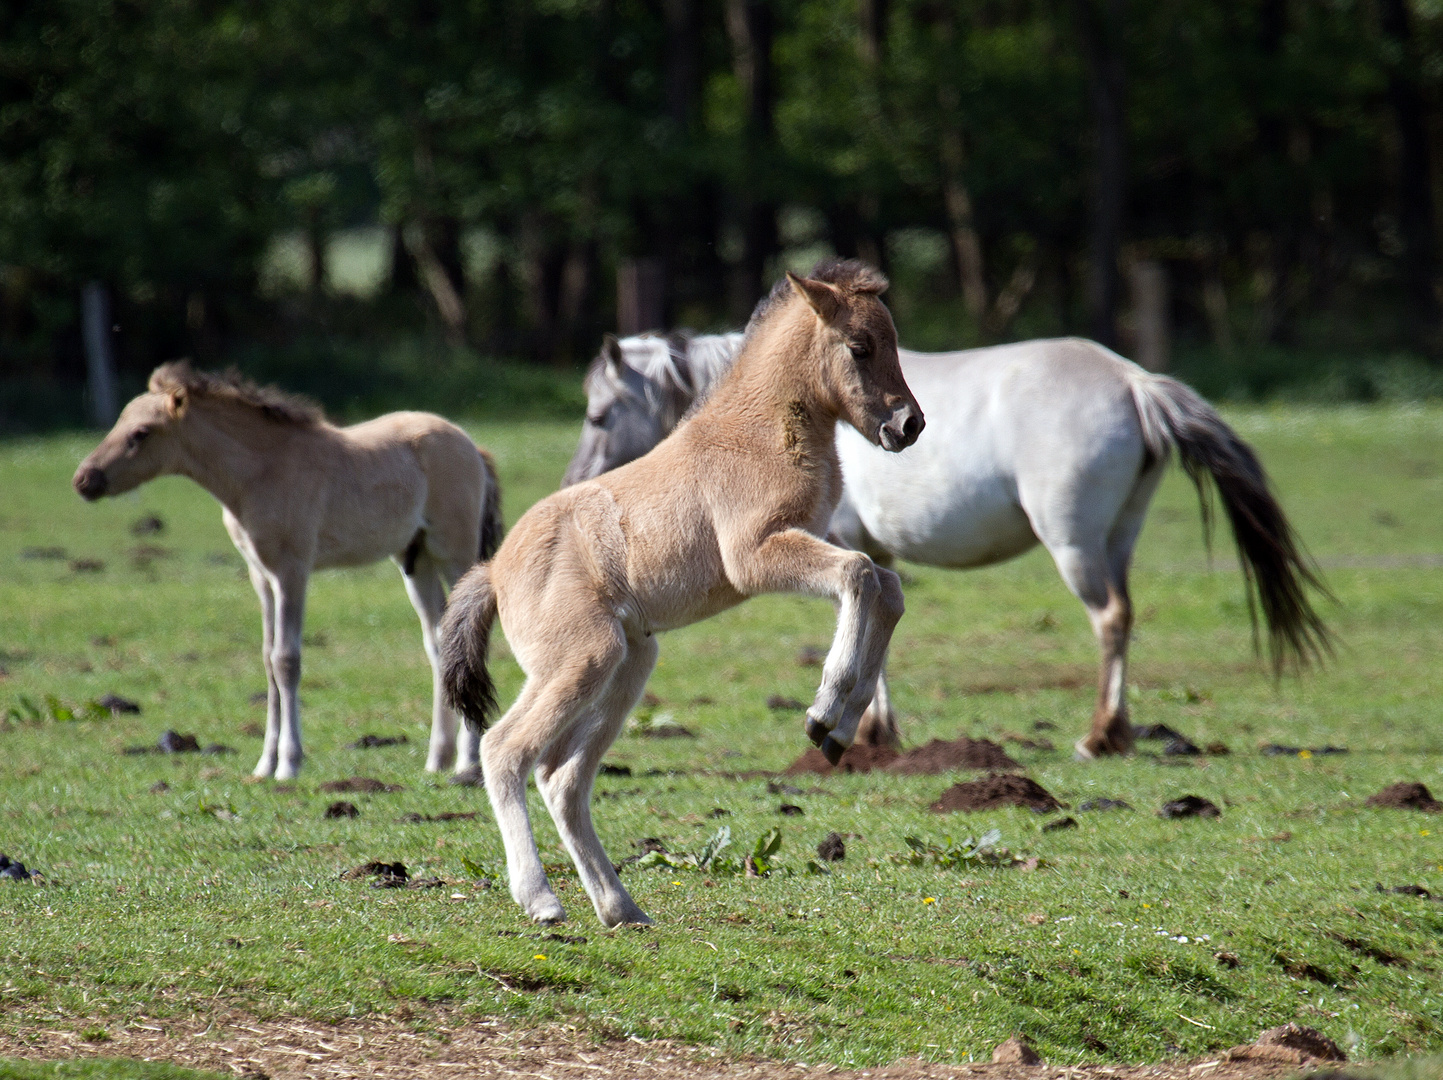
point(878, 726)
point(1087, 572)
point(798, 562)
point(560, 690)
point(266, 766)
point(567, 770)
point(290, 590)
point(423, 586)
point(879, 723)
point(882, 618)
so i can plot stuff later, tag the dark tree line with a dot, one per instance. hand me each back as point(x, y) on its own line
point(1257, 172)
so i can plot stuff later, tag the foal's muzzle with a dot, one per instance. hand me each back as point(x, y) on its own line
point(902, 430)
point(90, 482)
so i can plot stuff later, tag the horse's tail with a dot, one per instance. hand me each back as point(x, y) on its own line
point(1276, 570)
point(465, 637)
point(492, 529)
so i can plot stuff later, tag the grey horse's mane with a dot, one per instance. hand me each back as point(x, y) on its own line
point(269, 401)
point(678, 369)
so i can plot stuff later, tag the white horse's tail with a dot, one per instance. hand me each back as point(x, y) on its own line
point(1276, 570)
point(465, 640)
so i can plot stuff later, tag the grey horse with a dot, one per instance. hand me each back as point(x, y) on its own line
point(1059, 441)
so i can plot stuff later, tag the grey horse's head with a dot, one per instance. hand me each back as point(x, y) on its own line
point(637, 390)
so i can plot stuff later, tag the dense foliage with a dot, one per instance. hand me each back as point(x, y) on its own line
point(535, 171)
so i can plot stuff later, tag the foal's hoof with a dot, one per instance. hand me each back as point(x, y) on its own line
point(816, 732)
point(832, 750)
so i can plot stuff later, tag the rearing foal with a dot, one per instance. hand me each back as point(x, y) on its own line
point(733, 504)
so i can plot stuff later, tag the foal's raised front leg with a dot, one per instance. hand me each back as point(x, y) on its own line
point(796, 561)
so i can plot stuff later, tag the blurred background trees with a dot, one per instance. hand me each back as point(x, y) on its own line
point(362, 194)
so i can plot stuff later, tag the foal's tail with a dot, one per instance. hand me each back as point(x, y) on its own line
point(492, 529)
point(465, 636)
point(1277, 572)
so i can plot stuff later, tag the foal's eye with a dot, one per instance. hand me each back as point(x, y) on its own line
point(138, 436)
point(859, 351)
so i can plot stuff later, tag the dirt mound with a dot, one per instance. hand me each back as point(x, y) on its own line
point(363, 784)
point(1292, 1044)
point(993, 792)
point(940, 756)
point(857, 759)
point(1189, 806)
point(1405, 796)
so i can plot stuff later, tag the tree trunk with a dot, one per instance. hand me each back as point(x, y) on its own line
point(750, 25)
point(640, 295)
point(95, 327)
point(966, 244)
point(1150, 322)
point(1415, 191)
point(449, 304)
point(1100, 24)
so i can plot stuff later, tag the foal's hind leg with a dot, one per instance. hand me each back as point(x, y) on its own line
point(567, 770)
point(566, 681)
point(266, 766)
point(423, 586)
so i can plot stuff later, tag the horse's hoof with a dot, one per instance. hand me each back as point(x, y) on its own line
point(1080, 752)
point(816, 732)
point(832, 750)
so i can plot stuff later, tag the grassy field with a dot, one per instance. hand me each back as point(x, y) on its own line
point(218, 892)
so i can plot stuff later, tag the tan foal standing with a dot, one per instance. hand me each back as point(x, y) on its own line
point(735, 503)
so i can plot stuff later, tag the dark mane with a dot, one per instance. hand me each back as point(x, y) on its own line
point(849, 275)
point(270, 402)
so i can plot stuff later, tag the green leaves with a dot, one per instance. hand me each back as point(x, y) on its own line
point(25, 711)
point(760, 862)
point(983, 851)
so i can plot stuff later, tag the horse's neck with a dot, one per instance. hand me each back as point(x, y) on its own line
point(710, 357)
point(779, 393)
point(225, 447)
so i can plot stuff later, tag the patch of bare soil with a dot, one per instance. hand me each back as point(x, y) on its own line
point(449, 1046)
point(1405, 796)
point(857, 759)
point(994, 792)
point(1189, 806)
point(940, 756)
point(363, 784)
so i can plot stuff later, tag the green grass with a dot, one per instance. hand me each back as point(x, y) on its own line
point(159, 904)
point(99, 1069)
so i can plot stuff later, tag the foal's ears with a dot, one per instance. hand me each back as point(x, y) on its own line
point(175, 401)
point(822, 298)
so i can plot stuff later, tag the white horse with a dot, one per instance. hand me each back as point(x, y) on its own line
point(299, 495)
point(1061, 442)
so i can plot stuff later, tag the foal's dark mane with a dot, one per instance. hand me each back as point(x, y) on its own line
point(271, 402)
point(849, 275)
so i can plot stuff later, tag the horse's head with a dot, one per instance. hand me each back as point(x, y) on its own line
point(860, 369)
point(141, 445)
point(625, 417)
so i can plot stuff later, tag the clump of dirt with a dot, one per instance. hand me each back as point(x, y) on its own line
point(1189, 806)
point(14, 870)
point(147, 526)
point(342, 809)
point(1405, 890)
point(1175, 744)
point(449, 815)
point(170, 742)
point(1102, 804)
point(1060, 824)
point(1278, 750)
point(860, 758)
point(371, 742)
point(831, 849)
point(778, 703)
point(1015, 1051)
point(117, 704)
point(361, 784)
point(996, 791)
point(940, 756)
point(395, 870)
point(1405, 796)
point(790, 810)
point(614, 770)
point(1291, 1044)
